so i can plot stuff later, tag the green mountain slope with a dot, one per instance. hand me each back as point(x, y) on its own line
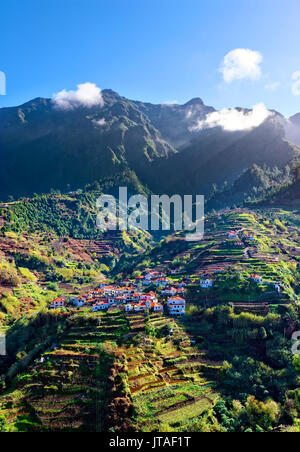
point(43, 147)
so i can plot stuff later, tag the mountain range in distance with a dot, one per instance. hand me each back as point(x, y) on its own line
point(183, 149)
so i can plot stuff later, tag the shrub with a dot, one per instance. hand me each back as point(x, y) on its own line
point(27, 274)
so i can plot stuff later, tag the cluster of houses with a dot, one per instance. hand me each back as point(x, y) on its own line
point(142, 294)
point(134, 295)
point(249, 236)
point(259, 280)
point(233, 240)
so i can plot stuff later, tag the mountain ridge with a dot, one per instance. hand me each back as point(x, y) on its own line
point(44, 147)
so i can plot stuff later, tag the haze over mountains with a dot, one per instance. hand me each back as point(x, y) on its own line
point(171, 148)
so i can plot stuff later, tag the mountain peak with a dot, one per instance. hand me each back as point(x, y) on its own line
point(36, 102)
point(194, 101)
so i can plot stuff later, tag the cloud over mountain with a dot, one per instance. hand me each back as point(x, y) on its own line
point(86, 95)
point(233, 120)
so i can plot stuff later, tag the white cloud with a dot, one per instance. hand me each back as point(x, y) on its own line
point(296, 84)
point(235, 120)
point(2, 84)
point(241, 64)
point(86, 95)
point(99, 122)
point(170, 102)
point(272, 86)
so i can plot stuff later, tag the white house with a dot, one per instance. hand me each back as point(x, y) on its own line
point(172, 300)
point(120, 299)
point(137, 296)
point(176, 306)
point(153, 274)
point(147, 302)
point(57, 303)
point(97, 293)
point(257, 278)
point(232, 235)
point(146, 282)
point(139, 307)
point(169, 291)
point(78, 301)
point(276, 286)
point(101, 306)
point(162, 282)
point(206, 283)
point(157, 307)
point(109, 290)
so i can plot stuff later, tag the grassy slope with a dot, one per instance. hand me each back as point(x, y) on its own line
point(274, 255)
point(50, 246)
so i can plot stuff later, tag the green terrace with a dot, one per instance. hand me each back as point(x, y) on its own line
point(67, 387)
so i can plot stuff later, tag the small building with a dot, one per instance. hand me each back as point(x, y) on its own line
point(206, 283)
point(176, 306)
point(109, 290)
point(175, 300)
point(120, 299)
point(157, 307)
point(257, 278)
point(100, 306)
point(276, 286)
point(138, 307)
point(153, 274)
point(169, 291)
point(57, 303)
point(232, 235)
point(162, 282)
point(78, 301)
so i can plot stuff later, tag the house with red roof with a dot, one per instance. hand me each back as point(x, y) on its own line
point(169, 291)
point(157, 307)
point(57, 303)
point(257, 278)
point(176, 306)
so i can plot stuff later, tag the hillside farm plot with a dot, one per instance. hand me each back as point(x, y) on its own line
point(170, 381)
point(67, 388)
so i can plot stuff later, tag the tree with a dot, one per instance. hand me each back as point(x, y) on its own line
point(262, 414)
point(262, 334)
point(296, 362)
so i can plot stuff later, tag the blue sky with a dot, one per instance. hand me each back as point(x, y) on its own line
point(153, 50)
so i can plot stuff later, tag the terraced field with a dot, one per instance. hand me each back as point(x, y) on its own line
point(67, 388)
point(88, 382)
point(170, 381)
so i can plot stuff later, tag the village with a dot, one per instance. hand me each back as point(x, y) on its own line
point(154, 291)
point(133, 296)
point(168, 291)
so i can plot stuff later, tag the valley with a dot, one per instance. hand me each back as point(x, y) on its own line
point(106, 361)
